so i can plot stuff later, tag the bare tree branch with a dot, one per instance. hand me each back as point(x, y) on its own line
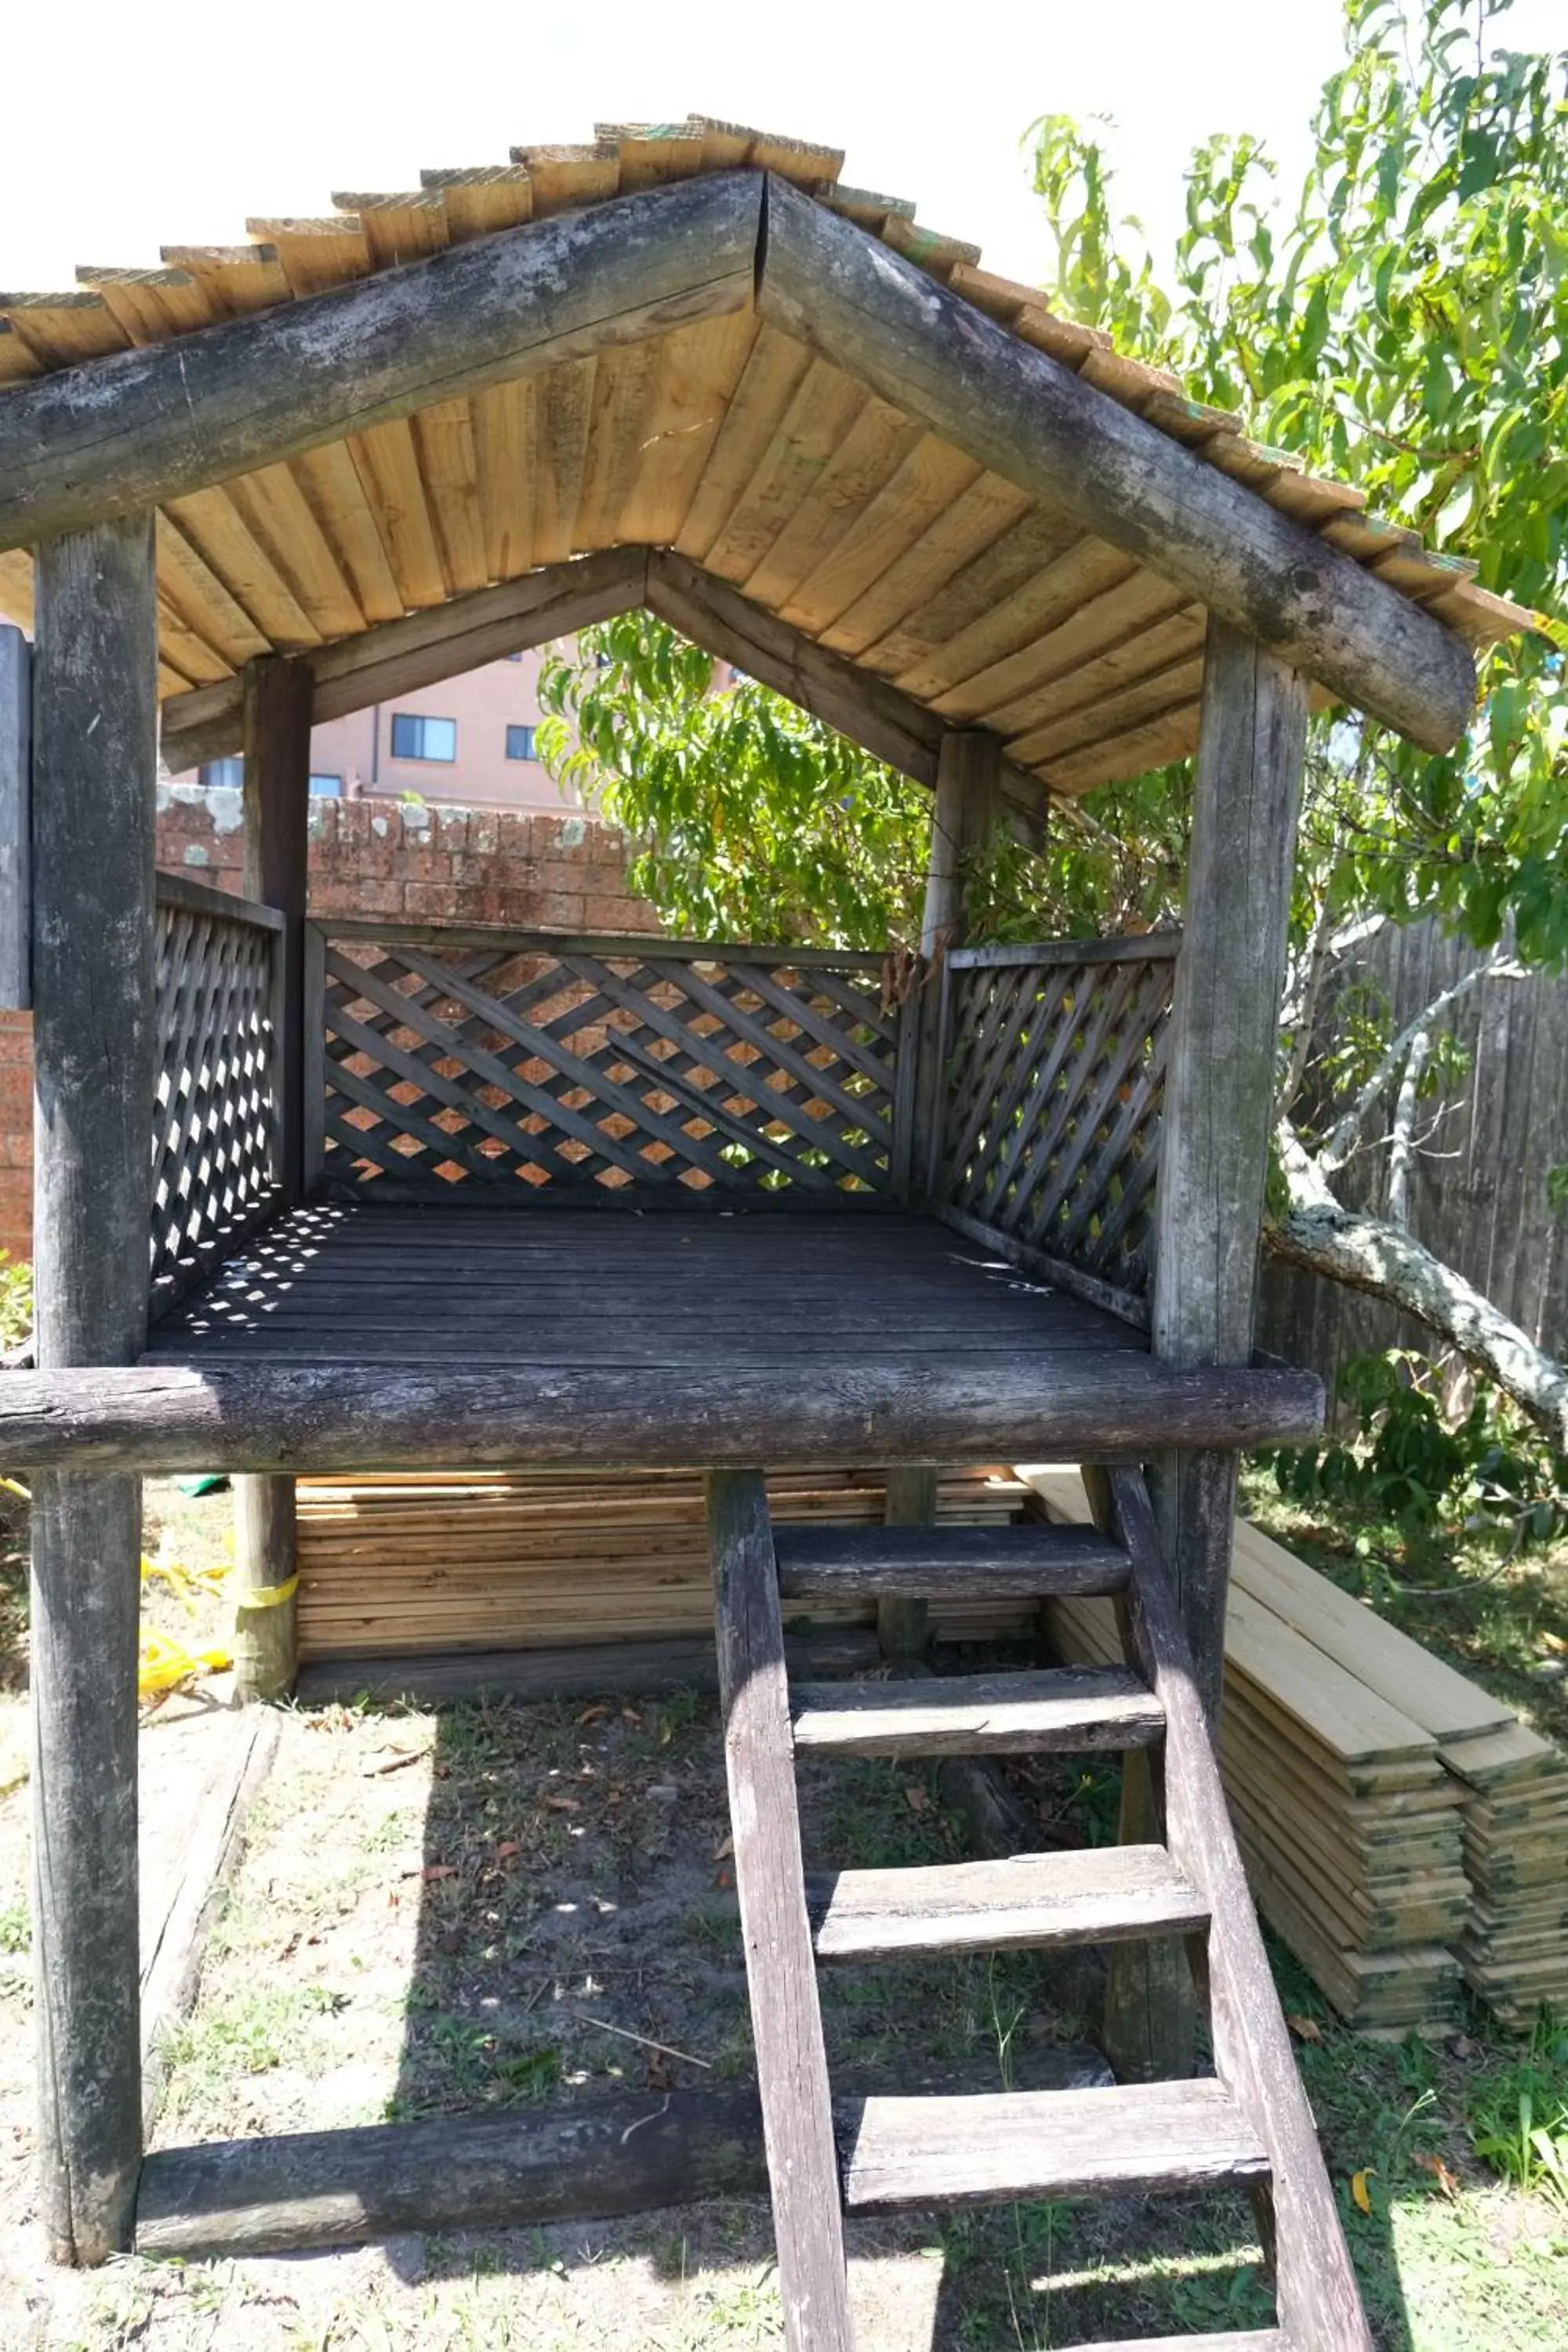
point(1341, 1141)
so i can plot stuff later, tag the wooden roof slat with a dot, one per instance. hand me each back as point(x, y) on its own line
point(699, 369)
point(1152, 745)
point(505, 438)
point(1482, 615)
point(1173, 688)
point(62, 329)
point(177, 644)
point(651, 154)
point(1109, 673)
point(925, 485)
point(480, 201)
point(236, 278)
point(824, 407)
point(16, 361)
point(866, 209)
point(1007, 694)
point(625, 388)
point(726, 145)
point(398, 228)
point(449, 467)
point(997, 652)
point(16, 586)
point(969, 598)
point(870, 453)
point(565, 178)
point(280, 516)
point(329, 481)
point(315, 254)
point(563, 416)
point(388, 466)
point(188, 583)
point(225, 542)
point(151, 304)
point(928, 248)
point(769, 382)
point(977, 519)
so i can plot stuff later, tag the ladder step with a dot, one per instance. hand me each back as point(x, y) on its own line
point(939, 1563)
point(1137, 2139)
point(1099, 1894)
point(1065, 1707)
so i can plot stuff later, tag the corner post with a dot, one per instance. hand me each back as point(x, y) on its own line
point(277, 707)
point(95, 768)
point(1214, 1167)
point(968, 779)
point(15, 820)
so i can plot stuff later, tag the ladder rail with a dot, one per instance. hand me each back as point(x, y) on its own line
point(1320, 2306)
point(786, 2022)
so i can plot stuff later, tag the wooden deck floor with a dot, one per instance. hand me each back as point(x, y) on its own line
point(567, 1289)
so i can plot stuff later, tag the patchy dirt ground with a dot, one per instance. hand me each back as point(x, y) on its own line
point(499, 1905)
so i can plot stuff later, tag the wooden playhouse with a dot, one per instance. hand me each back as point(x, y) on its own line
point(423, 1199)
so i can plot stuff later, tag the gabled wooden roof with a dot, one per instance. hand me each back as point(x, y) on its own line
point(729, 441)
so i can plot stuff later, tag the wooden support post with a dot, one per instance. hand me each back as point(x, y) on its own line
point(1214, 1167)
point(95, 766)
point(15, 820)
point(968, 774)
point(903, 1627)
point(278, 697)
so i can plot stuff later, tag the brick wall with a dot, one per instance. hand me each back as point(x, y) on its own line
point(556, 872)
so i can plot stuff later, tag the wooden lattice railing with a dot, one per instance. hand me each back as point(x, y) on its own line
point(215, 1129)
point(474, 1059)
point(1053, 1067)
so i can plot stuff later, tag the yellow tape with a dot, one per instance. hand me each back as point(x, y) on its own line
point(266, 1596)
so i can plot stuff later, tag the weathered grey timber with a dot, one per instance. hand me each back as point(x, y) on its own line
point(1141, 2138)
point(787, 2025)
point(94, 794)
point(938, 1564)
point(597, 1670)
point(421, 650)
point(968, 783)
point(266, 1607)
point(1319, 2304)
point(1049, 1711)
point(300, 1416)
point(15, 819)
point(904, 1618)
point(1093, 1894)
point(143, 426)
point(1219, 1082)
point(583, 2160)
point(1033, 422)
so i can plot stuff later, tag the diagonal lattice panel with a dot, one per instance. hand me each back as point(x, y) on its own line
point(1055, 1074)
point(214, 1127)
point(547, 1064)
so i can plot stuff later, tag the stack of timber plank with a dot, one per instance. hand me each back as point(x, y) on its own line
point(1400, 1828)
point(489, 1560)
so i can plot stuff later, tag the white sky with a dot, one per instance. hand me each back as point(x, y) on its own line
point(170, 122)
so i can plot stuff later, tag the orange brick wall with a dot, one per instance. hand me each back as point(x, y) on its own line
point(556, 872)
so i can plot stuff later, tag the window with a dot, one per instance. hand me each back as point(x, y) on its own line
point(229, 773)
point(414, 736)
point(326, 788)
point(519, 744)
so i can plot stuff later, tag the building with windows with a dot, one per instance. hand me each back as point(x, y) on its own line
point(471, 742)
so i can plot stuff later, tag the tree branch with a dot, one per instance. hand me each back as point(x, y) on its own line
point(1341, 1141)
point(1368, 1253)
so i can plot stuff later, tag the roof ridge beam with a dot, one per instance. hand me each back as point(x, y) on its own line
point(139, 427)
point(1019, 413)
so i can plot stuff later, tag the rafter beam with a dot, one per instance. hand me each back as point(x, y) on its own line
point(1031, 420)
point(139, 427)
point(397, 656)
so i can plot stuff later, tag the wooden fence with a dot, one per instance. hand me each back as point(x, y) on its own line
point(477, 1059)
point(215, 1121)
point(1480, 1192)
point(1053, 1061)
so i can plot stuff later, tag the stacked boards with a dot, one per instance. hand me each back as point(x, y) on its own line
point(519, 1560)
point(1402, 1832)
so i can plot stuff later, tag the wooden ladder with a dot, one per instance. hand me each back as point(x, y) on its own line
point(1248, 2124)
